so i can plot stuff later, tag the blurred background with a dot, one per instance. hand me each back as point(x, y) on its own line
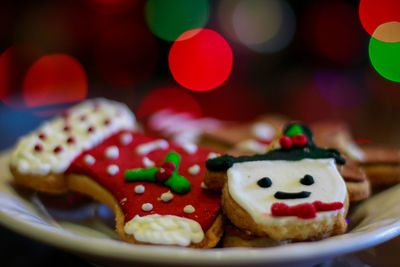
point(228, 59)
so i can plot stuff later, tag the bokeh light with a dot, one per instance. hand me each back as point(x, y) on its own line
point(126, 54)
point(55, 79)
point(374, 13)
point(333, 31)
point(14, 63)
point(341, 88)
point(171, 98)
point(169, 19)
point(385, 58)
point(202, 62)
point(264, 26)
point(111, 6)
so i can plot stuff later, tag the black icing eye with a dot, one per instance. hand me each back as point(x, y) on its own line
point(264, 182)
point(307, 180)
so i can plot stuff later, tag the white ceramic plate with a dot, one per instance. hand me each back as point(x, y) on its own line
point(86, 234)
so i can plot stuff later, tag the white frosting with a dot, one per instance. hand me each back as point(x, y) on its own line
point(139, 189)
point(112, 169)
point(190, 148)
point(251, 145)
point(112, 152)
point(285, 176)
point(188, 209)
point(125, 138)
point(147, 207)
point(166, 229)
point(349, 148)
point(212, 155)
point(89, 159)
point(263, 131)
point(27, 160)
point(167, 196)
point(146, 148)
point(148, 162)
point(194, 170)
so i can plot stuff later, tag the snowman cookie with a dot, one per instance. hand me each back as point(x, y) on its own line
point(294, 192)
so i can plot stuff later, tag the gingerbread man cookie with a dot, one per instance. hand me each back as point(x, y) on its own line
point(292, 192)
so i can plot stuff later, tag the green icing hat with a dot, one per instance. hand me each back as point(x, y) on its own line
point(302, 147)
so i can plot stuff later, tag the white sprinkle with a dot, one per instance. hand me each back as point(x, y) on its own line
point(89, 159)
point(112, 152)
point(125, 138)
point(189, 147)
point(148, 162)
point(213, 155)
point(203, 185)
point(167, 196)
point(188, 209)
point(122, 201)
point(194, 170)
point(146, 148)
point(139, 189)
point(112, 169)
point(147, 207)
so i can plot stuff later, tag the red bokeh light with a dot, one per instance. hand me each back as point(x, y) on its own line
point(55, 79)
point(168, 98)
point(332, 30)
point(126, 54)
point(14, 63)
point(201, 62)
point(373, 13)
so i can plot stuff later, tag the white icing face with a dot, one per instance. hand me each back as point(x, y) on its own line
point(285, 177)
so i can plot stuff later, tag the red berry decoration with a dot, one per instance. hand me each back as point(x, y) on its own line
point(70, 140)
point(169, 165)
point(38, 147)
point(285, 142)
point(299, 140)
point(163, 174)
point(58, 149)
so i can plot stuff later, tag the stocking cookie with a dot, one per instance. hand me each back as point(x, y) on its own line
point(293, 192)
point(40, 158)
point(154, 187)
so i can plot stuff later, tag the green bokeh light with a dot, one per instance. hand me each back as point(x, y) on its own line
point(169, 19)
point(385, 57)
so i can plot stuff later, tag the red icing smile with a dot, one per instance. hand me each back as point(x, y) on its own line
point(304, 211)
point(206, 203)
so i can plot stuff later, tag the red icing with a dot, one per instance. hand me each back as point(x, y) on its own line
point(299, 140)
point(264, 141)
point(38, 147)
point(304, 211)
point(285, 142)
point(206, 203)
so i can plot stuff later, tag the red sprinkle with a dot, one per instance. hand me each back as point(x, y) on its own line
point(83, 117)
point(299, 140)
point(38, 147)
point(163, 174)
point(58, 149)
point(285, 142)
point(42, 136)
point(107, 121)
point(71, 140)
point(67, 128)
point(91, 129)
point(264, 141)
point(169, 165)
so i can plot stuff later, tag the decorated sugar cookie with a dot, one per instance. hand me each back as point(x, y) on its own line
point(292, 192)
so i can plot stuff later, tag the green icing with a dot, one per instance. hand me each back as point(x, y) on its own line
point(310, 151)
point(176, 182)
point(293, 130)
